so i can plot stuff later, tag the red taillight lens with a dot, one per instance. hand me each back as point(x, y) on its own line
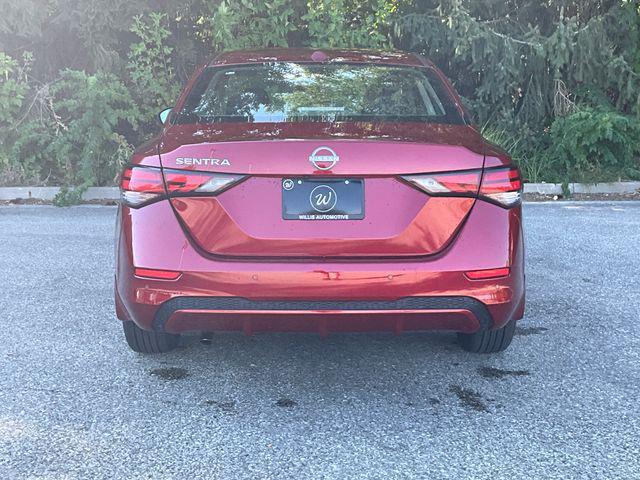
point(178, 181)
point(502, 186)
point(143, 185)
point(451, 183)
point(184, 182)
point(498, 185)
point(487, 274)
point(156, 274)
point(142, 180)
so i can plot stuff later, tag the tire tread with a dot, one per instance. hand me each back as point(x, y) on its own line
point(488, 341)
point(145, 341)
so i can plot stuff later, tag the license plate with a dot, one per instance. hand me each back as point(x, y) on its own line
point(323, 199)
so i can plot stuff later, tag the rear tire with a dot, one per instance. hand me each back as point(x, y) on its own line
point(488, 341)
point(144, 341)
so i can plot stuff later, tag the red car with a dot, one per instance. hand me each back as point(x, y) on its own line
point(324, 191)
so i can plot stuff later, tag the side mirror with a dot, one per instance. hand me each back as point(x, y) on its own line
point(164, 115)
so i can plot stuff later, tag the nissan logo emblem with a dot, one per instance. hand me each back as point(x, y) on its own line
point(324, 158)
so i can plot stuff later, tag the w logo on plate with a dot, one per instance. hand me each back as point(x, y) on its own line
point(323, 198)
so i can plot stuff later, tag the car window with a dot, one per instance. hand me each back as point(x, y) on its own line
point(294, 92)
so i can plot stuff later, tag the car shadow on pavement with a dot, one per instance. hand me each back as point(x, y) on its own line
point(293, 370)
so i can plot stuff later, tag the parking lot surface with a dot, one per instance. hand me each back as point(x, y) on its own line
point(562, 402)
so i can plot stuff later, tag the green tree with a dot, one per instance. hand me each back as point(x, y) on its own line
point(152, 79)
point(250, 24)
point(530, 70)
point(348, 23)
point(77, 142)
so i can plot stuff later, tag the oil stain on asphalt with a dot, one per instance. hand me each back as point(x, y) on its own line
point(286, 403)
point(170, 373)
point(226, 407)
point(430, 400)
point(469, 398)
point(530, 330)
point(491, 372)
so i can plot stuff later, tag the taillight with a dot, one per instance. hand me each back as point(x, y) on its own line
point(459, 184)
point(498, 185)
point(142, 185)
point(502, 186)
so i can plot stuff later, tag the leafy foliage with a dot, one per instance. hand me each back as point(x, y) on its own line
point(13, 86)
point(522, 66)
point(557, 83)
point(249, 24)
point(151, 74)
point(77, 143)
point(509, 139)
point(13, 90)
point(597, 144)
point(68, 196)
point(348, 23)
point(508, 67)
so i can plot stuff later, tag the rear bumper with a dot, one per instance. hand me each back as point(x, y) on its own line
point(420, 294)
point(233, 313)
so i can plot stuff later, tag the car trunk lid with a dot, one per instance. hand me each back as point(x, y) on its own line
point(247, 219)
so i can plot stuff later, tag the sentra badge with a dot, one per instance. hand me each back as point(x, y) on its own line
point(220, 162)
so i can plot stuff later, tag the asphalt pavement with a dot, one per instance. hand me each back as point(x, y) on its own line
point(561, 403)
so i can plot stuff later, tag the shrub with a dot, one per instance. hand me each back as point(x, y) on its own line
point(13, 89)
point(152, 79)
point(250, 24)
point(526, 148)
point(523, 69)
point(13, 86)
point(75, 143)
point(596, 144)
point(28, 159)
point(68, 196)
point(344, 23)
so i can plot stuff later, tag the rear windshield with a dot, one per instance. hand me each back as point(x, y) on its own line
point(296, 92)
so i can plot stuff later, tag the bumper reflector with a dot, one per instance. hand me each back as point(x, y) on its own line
point(156, 274)
point(487, 274)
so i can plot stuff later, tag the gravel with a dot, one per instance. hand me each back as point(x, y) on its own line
point(561, 403)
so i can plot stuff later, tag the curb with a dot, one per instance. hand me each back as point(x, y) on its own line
point(588, 188)
point(113, 193)
point(47, 193)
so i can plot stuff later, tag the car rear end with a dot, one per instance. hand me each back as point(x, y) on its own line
point(332, 195)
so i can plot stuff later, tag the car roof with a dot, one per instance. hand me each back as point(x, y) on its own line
point(329, 55)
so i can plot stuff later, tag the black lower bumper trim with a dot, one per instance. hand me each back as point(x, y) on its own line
point(238, 303)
